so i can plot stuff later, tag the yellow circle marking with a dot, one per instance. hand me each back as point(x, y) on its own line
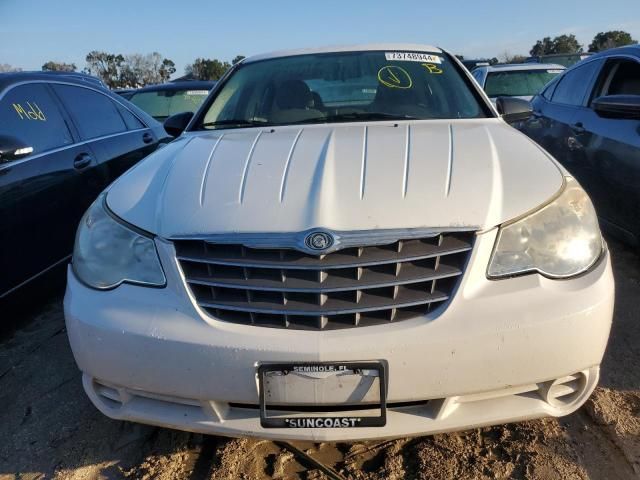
point(393, 76)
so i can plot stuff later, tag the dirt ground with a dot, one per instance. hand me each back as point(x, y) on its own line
point(48, 428)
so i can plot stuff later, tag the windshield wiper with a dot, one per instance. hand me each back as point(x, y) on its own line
point(346, 117)
point(235, 122)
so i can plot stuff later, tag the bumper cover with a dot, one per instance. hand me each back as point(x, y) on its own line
point(497, 343)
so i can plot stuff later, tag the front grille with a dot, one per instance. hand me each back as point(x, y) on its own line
point(352, 287)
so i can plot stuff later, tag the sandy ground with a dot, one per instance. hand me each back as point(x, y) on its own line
point(48, 428)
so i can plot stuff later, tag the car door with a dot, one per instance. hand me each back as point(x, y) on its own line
point(118, 136)
point(611, 149)
point(552, 123)
point(39, 194)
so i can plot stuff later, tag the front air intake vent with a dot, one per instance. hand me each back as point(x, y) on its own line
point(352, 287)
point(564, 391)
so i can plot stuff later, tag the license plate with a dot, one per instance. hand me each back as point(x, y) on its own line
point(355, 391)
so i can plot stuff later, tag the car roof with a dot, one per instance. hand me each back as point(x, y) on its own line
point(505, 67)
point(633, 50)
point(178, 86)
point(410, 47)
point(10, 78)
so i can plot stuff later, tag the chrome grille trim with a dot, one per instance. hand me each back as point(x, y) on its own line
point(351, 287)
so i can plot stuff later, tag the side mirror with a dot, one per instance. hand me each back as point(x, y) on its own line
point(513, 109)
point(12, 148)
point(617, 106)
point(175, 124)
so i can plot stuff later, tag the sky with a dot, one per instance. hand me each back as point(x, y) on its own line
point(35, 31)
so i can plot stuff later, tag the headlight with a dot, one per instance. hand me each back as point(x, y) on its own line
point(560, 240)
point(108, 253)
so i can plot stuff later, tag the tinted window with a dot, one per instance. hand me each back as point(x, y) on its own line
point(574, 84)
point(29, 113)
point(624, 79)
point(342, 87)
point(550, 89)
point(130, 119)
point(94, 114)
point(164, 103)
point(518, 83)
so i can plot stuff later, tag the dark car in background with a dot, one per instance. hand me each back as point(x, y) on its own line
point(62, 141)
point(166, 99)
point(82, 77)
point(589, 119)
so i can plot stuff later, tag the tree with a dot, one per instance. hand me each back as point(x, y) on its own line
point(611, 39)
point(207, 69)
point(5, 67)
point(167, 69)
point(567, 44)
point(560, 44)
point(237, 59)
point(507, 57)
point(107, 66)
point(52, 66)
point(542, 47)
point(131, 70)
point(139, 70)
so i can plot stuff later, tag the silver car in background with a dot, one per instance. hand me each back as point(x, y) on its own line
point(521, 80)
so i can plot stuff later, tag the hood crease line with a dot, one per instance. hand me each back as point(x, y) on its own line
point(447, 188)
point(285, 173)
point(207, 169)
point(161, 200)
point(407, 151)
point(247, 162)
point(363, 170)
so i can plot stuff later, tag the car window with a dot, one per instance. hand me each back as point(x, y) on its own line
point(550, 88)
point(344, 86)
point(95, 114)
point(573, 85)
point(30, 113)
point(518, 83)
point(164, 103)
point(621, 77)
point(132, 122)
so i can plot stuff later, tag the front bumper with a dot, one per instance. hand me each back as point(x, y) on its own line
point(149, 355)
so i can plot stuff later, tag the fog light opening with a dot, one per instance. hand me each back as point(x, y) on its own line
point(565, 391)
point(110, 396)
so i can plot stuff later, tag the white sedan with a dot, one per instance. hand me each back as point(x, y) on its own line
point(345, 243)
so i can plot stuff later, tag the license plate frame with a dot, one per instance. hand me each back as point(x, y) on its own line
point(342, 421)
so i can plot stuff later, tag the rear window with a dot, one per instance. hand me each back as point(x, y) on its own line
point(518, 83)
point(164, 103)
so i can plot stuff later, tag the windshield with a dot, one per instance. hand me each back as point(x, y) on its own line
point(164, 103)
point(518, 83)
point(343, 87)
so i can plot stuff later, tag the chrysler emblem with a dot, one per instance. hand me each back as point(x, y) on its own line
point(318, 241)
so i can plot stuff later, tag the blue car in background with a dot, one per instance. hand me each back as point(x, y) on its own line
point(589, 119)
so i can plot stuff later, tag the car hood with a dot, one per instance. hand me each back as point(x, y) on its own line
point(438, 174)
